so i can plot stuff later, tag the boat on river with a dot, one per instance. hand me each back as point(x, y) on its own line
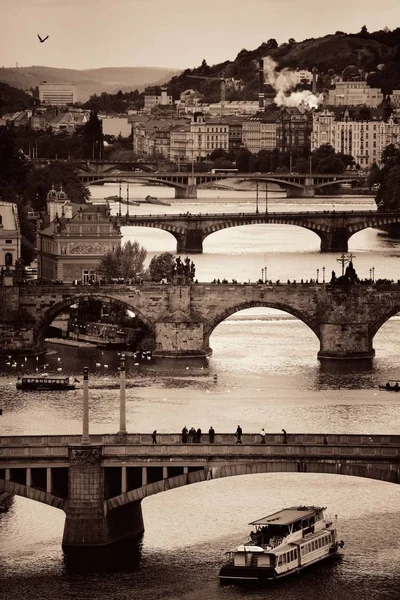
point(46, 383)
point(282, 544)
point(393, 385)
point(154, 200)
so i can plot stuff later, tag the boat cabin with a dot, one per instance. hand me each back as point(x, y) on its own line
point(271, 530)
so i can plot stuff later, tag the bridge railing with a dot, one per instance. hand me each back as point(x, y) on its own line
point(139, 439)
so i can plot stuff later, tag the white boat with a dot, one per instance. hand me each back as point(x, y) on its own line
point(283, 544)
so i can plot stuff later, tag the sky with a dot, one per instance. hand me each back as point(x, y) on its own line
point(174, 34)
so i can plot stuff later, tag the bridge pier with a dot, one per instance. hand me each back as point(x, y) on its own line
point(345, 341)
point(334, 241)
point(190, 191)
point(180, 339)
point(87, 524)
point(190, 242)
point(307, 191)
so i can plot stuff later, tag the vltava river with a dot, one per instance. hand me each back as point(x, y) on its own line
point(267, 376)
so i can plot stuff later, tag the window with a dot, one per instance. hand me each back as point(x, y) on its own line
point(8, 241)
point(8, 259)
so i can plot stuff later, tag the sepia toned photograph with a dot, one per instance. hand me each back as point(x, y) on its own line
point(199, 300)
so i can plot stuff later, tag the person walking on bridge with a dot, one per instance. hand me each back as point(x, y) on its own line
point(154, 436)
point(238, 434)
point(262, 435)
point(211, 434)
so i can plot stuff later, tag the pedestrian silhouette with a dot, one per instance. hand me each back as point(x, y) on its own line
point(284, 434)
point(154, 436)
point(184, 435)
point(211, 434)
point(262, 434)
point(238, 434)
point(325, 441)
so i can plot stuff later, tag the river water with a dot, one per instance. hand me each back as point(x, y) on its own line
point(267, 375)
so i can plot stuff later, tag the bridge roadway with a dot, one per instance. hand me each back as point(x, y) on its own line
point(181, 317)
point(334, 228)
point(186, 183)
point(100, 485)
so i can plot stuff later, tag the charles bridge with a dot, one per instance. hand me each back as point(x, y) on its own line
point(333, 228)
point(181, 318)
point(100, 481)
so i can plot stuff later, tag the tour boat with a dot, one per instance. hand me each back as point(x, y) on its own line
point(282, 544)
point(392, 385)
point(46, 383)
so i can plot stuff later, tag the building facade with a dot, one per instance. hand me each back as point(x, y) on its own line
point(10, 235)
point(259, 132)
point(364, 140)
point(58, 94)
point(71, 245)
point(293, 130)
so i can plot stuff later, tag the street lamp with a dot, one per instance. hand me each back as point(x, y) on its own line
point(265, 271)
point(370, 275)
point(373, 274)
point(257, 197)
point(323, 274)
point(262, 275)
point(266, 197)
point(317, 275)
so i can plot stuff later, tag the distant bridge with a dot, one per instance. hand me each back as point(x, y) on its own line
point(334, 228)
point(187, 183)
point(100, 485)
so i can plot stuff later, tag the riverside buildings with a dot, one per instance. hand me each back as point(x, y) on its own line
point(345, 132)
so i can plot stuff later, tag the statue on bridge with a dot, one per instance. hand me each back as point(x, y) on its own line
point(183, 271)
point(350, 276)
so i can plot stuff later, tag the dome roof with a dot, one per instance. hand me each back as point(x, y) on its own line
point(52, 194)
point(61, 195)
point(350, 72)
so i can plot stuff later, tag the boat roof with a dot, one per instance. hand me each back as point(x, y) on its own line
point(286, 516)
point(45, 377)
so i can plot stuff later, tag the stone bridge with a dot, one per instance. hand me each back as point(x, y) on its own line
point(100, 485)
point(187, 183)
point(181, 318)
point(333, 228)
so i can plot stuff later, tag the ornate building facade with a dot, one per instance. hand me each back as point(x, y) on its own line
point(76, 237)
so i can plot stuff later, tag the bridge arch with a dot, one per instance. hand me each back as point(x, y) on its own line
point(329, 467)
point(51, 313)
point(213, 323)
point(31, 493)
point(89, 179)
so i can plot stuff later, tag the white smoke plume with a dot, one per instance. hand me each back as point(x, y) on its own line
point(284, 81)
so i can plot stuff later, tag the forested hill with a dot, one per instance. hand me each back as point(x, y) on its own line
point(330, 54)
point(89, 81)
point(13, 99)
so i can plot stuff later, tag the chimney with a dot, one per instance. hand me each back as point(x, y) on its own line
point(314, 80)
point(261, 95)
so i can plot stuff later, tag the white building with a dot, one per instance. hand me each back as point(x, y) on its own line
point(364, 140)
point(354, 93)
point(156, 96)
point(10, 235)
point(235, 107)
point(58, 94)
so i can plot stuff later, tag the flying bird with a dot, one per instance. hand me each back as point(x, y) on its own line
point(42, 39)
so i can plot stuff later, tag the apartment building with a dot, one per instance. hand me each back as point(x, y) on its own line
point(259, 132)
point(354, 93)
point(293, 130)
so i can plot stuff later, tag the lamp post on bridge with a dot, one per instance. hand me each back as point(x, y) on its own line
point(257, 197)
point(266, 197)
point(323, 274)
point(262, 275)
point(122, 399)
point(317, 275)
point(373, 274)
point(85, 418)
